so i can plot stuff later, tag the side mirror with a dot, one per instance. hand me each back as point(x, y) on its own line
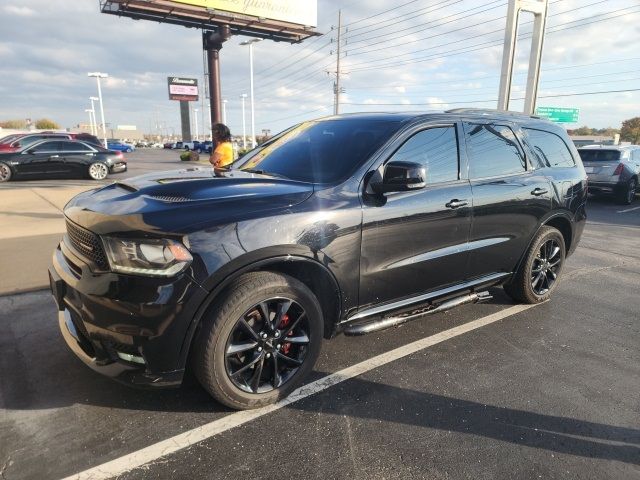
point(401, 177)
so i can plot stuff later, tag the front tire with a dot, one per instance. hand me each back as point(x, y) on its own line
point(259, 340)
point(538, 275)
point(98, 171)
point(5, 172)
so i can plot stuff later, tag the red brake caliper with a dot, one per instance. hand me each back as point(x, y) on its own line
point(286, 346)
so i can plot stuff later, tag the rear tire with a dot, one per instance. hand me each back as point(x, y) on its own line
point(628, 194)
point(5, 172)
point(246, 368)
point(538, 275)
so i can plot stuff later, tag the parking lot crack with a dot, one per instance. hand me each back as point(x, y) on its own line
point(45, 199)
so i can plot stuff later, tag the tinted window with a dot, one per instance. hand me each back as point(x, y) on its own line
point(548, 149)
point(322, 152)
point(53, 146)
point(493, 151)
point(436, 149)
point(599, 155)
point(74, 147)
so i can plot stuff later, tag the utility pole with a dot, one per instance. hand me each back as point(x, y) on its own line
point(336, 106)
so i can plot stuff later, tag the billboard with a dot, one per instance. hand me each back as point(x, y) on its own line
point(279, 20)
point(300, 12)
point(185, 89)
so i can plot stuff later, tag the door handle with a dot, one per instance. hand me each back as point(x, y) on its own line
point(539, 191)
point(455, 203)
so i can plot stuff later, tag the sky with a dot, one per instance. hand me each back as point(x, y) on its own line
point(419, 55)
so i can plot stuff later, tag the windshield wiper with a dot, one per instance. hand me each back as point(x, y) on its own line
point(263, 172)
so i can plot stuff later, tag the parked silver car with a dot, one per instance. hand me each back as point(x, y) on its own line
point(612, 170)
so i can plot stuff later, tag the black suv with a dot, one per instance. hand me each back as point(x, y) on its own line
point(351, 224)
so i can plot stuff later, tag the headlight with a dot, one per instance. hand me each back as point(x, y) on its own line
point(158, 258)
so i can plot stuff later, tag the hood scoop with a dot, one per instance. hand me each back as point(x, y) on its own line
point(177, 198)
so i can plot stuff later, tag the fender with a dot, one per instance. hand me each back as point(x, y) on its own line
point(220, 280)
point(544, 221)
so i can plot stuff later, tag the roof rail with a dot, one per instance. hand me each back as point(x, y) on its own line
point(491, 111)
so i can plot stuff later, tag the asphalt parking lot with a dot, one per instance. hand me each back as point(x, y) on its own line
point(489, 391)
point(32, 220)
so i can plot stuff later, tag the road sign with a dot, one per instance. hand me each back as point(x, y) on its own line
point(559, 114)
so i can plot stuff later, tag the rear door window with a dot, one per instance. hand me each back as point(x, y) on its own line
point(436, 149)
point(549, 150)
point(493, 151)
point(73, 147)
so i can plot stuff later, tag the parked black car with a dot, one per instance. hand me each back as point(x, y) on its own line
point(60, 158)
point(350, 224)
point(612, 170)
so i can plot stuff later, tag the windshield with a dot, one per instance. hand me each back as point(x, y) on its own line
point(320, 151)
point(599, 155)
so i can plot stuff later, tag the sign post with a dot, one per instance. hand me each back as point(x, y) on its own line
point(559, 114)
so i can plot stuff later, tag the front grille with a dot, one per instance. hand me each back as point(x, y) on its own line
point(87, 244)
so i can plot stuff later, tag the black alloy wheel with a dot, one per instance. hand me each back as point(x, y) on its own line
point(546, 267)
point(267, 346)
point(539, 271)
point(258, 340)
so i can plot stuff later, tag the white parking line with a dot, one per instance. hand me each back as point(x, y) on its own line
point(628, 210)
point(184, 440)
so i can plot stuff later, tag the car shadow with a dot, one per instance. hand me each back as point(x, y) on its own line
point(401, 406)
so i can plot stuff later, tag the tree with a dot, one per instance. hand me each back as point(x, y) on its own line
point(584, 130)
point(46, 124)
point(630, 131)
point(14, 124)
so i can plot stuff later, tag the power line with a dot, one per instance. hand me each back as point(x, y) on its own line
point(484, 22)
point(425, 27)
point(412, 13)
point(480, 45)
point(495, 100)
point(479, 35)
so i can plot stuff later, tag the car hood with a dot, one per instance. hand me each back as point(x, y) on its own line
point(183, 201)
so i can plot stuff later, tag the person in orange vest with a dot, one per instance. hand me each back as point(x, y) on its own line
point(222, 155)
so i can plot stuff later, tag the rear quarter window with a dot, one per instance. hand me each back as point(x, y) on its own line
point(548, 149)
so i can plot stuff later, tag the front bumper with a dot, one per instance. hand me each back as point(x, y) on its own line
point(129, 328)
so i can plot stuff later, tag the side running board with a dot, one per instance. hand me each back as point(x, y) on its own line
point(395, 320)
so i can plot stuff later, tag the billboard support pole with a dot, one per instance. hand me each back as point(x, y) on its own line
point(185, 121)
point(539, 10)
point(212, 43)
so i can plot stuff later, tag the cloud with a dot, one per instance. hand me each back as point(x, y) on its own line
point(291, 81)
point(18, 11)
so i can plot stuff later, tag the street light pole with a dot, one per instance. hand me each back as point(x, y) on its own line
point(94, 124)
point(90, 111)
point(244, 127)
point(253, 113)
point(224, 111)
point(195, 116)
point(98, 76)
